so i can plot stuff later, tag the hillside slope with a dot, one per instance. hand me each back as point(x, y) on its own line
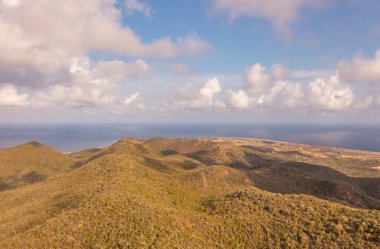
point(275, 167)
point(30, 163)
point(162, 193)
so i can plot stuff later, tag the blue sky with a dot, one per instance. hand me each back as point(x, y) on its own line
point(326, 34)
point(189, 60)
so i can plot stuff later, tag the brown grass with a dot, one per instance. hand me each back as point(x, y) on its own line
point(132, 195)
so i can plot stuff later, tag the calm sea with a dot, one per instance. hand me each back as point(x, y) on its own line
point(74, 137)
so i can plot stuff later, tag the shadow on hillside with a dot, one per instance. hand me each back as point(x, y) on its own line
point(258, 148)
point(4, 186)
point(318, 181)
point(249, 161)
point(188, 164)
point(155, 164)
point(29, 178)
point(33, 177)
point(202, 156)
point(169, 152)
point(91, 158)
point(288, 177)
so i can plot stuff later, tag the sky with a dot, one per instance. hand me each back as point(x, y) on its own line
point(244, 61)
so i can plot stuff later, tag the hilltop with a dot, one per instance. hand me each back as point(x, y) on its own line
point(194, 193)
point(30, 163)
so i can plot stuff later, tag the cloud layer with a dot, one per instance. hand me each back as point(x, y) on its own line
point(30, 54)
point(46, 47)
point(280, 13)
point(10, 97)
point(87, 58)
point(86, 86)
point(273, 89)
point(361, 69)
point(192, 98)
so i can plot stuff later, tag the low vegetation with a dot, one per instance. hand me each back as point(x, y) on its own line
point(30, 163)
point(204, 193)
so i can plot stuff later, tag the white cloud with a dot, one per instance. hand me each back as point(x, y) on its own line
point(211, 88)
point(9, 3)
point(283, 94)
point(274, 88)
point(265, 87)
point(361, 69)
point(131, 99)
point(89, 86)
point(134, 103)
point(10, 97)
point(293, 96)
point(239, 99)
point(43, 36)
point(137, 6)
point(330, 94)
point(279, 13)
point(79, 96)
point(279, 72)
point(256, 79)
point(191, 98)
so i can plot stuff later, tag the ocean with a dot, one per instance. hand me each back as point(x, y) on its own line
point(74, 137)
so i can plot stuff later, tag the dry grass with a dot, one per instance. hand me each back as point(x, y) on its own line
point(134, 195)
point(30, 163)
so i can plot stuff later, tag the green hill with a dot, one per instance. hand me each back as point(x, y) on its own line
point(30, 163)
point(192, 193)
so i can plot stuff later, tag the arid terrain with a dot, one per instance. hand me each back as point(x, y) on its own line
point(190, 193)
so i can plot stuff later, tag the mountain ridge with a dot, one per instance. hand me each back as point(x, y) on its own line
point(197, 193)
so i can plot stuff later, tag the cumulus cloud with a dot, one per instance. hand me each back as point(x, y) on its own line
point(30, 54)
point(274, 88)
point(330, 94)
point(10, 97)
point(137, 6)
point(238, 99)
point(53, 64)
point(265, 87)
point(297, 98)
point(90, 85)
point(279, 13)
point(361, 69)
point(204, 98)
point(77, 96)
point(257, 78)
point(283, 94)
